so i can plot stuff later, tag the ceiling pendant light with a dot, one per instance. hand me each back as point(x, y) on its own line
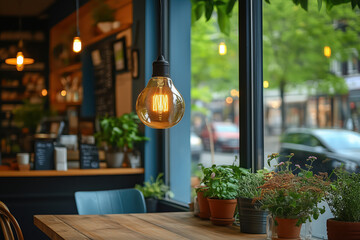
point(19, 61)
point(77, 40)
point(160, 105)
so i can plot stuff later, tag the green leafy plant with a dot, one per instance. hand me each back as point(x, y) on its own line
point(155, 189)
point(224, 9)
point(343, 197)
point(120, 132)
point(29, 115)
point(102, 12)
point(249, 184)
point(286, 195)
point(219, 182)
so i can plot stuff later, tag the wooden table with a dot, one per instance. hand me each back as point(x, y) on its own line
point(181, 225)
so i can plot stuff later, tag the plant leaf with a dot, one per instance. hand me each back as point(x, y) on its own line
point(223, 21)
point(209, 8)
point(319, 4)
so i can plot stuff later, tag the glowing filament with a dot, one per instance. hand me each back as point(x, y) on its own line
point(77, 44)
point(160, 103)
point(19, 58)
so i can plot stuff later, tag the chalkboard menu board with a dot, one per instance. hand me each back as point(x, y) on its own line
point(102, 58)
point(44, 155)
point(89, 156)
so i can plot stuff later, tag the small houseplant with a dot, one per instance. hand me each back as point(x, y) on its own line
point(343, 200)
point(120, 134)
point(252, 217)
point(292, 199)
point(103, 16)
point(204, 209)
point(221, 192)
point(154, 191)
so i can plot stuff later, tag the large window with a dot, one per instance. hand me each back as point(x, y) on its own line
point(214, 93)
point(312, 84)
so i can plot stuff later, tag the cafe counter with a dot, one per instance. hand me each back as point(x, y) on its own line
point(41, 192)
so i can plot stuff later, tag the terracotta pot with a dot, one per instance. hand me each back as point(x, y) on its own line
point(222, 211)
point(287, 228)
point(204, 210)
point(342, 230)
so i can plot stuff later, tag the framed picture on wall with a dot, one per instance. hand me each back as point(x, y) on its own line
point(120, 60)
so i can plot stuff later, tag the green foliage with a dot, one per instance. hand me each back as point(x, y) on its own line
point(249, 184)
point(286, 195)
point(155, 189)
point(29, 115)
point(120, 132)
point(224, 9)
point(102, 12)
point(221, 181)
point(343, 197)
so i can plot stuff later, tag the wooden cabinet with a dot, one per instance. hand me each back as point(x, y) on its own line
point(66, 66)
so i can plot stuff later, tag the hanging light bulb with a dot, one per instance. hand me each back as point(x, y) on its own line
point(77, 44)
point(20, 61)
point(160, 105)
point(77, 41)
point(222, 48)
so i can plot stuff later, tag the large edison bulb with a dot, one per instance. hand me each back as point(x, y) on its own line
point(77, 44)
point(160, 105)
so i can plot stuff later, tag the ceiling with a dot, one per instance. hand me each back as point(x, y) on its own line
point(24, 7)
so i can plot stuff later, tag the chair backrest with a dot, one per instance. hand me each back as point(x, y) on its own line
point(6, 220)
point(110, 202)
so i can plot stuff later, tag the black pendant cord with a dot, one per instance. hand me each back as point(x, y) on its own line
point(160, 50)
point(160, 66)
point(77, 18)
point(20, 27)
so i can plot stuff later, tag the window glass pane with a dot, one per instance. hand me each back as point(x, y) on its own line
point(214, 93)
point(312, 85)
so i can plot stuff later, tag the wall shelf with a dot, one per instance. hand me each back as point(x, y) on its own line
point(107, 34)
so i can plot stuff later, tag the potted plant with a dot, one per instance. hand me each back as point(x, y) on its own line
point(252, 217)
point(292, 199)
point(154, 191)
point(103, 16)
point(343, 200)
point(221, 191)
point(204, 209)
point(120, 134)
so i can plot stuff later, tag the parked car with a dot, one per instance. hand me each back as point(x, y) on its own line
point(196, 147)
point(332, 147)
point(225, 136)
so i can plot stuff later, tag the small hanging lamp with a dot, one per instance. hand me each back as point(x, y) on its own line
point(160, 105)
point(19, 61)
point(222, 48)
point(77, 41)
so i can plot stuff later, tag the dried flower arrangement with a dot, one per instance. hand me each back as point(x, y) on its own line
point(293, 196)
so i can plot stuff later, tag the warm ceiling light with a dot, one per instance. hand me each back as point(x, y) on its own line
point(327, 51)
point(77, 44)
point(63, 93)
point(77, 40)
point(19, 61)
point(222, 48)
point(266, 84)
point(160, 105)
point(44, 92)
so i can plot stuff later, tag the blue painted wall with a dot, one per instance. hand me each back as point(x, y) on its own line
point(180, 72)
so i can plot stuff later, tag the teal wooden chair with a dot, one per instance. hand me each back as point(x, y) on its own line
point(110, 202)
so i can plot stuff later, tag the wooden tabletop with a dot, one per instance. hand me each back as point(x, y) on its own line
point(181, 225)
